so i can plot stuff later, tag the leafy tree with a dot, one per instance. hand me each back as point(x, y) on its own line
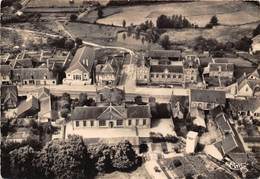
point(64, 159)
point(21, 160)
point(256, 31)
point(138, 100)
point(78, 41)
point(73, 17)
point(64, 112)
point(214, 20)
point(124, 23)
point(244, 44)
point(124, 158)
point(165, 42)
point(101, 156)
point(83, 99)
point(69, 44)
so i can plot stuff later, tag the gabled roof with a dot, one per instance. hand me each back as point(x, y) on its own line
point(5, 70)
point(9, 92)
point(251, 83)
point(43, 92)
point(83, 53)
point(256, 73)
point(250, 104)
point(209, 96)
point(114, 113)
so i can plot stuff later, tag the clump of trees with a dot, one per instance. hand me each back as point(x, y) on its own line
point(70, 158)
point(218, 49)
point(147, 29)
point(176, 21)
point(61, 42)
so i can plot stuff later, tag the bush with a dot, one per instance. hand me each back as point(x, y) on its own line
point(209, 26)
point(214, 20)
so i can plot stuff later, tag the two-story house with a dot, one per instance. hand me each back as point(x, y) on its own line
point(81, 67)
point(218, 74)
point(108, 73)
point(34, 76)
point(206, 99)
point(111, 117)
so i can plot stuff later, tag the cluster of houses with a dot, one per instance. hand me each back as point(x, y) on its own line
point(173, 67)
point(32, 67)
point(46, 68)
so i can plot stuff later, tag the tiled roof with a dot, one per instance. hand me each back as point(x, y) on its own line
point(31, 103)
point(182, 101)
point(105, 113)
point(5, 70)
point(163, 68)
point(138, 111)
point(91, 112)
point(250, 104)
point(113, 112)
point(36, 73)
point(83, 53)
point(164, 53)
point(210, 96)
point(25, 63)
point(229, 144)
point(223, 123)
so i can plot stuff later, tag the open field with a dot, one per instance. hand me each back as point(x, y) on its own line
point(221, 33)
point(60, 3)
point(139, 173)
point(197, 12)
point(92, 32)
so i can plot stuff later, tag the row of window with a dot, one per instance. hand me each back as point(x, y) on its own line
point(165, 76)
point(118, 123)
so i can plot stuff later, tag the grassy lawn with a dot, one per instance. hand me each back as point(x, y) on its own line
point(139, 173)
point(92, 32)
point(231, 13)
point(221, 33)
